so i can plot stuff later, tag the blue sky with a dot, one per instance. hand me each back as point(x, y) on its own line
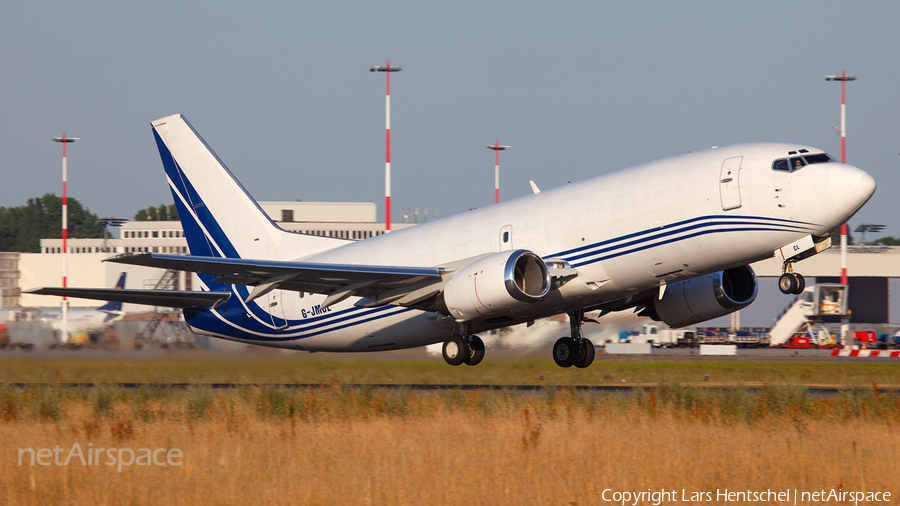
point(282, 92)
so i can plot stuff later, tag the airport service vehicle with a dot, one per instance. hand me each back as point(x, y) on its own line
point(8, 344)
point(670, 240)
point(747, 339)
point(798, 342)
point(661, 338)
point(886, 341)
point(814, 338)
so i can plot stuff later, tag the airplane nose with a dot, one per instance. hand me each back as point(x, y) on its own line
point(867, 185)
point(850, 188)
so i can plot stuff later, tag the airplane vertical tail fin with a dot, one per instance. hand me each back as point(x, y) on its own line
point(219, 217)
point(115, 306)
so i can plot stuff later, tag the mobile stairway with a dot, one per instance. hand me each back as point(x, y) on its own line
point(804, 316)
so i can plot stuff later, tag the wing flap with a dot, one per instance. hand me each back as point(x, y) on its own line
point(165, 298)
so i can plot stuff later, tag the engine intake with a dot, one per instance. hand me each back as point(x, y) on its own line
point(497, 284)
point(702, 298)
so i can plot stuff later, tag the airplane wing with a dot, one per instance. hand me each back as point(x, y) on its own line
point(165, 298)
point(377, 285)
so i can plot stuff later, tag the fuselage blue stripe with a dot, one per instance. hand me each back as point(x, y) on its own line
point(661, 243)
point(773, 221)
point(316, 321)
point(670, 233)
point(272, 338)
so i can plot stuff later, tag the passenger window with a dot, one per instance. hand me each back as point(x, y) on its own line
point(797, 163)
point(781, 165)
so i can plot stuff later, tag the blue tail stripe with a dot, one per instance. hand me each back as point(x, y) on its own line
point(198, 241)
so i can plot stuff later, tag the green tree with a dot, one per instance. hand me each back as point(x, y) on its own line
point(22, 228)
point(888, 241)
point(160, 213)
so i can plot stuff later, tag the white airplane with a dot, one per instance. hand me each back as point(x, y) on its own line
point(87, 320)
point(671, 239)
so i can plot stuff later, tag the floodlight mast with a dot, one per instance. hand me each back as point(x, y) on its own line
point(497, 149)
point(387, 69)
point(843, 78)
point(868, 227)
point(65, 232)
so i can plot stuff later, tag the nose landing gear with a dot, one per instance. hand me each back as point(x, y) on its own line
point(791, 282)
point(575, 350)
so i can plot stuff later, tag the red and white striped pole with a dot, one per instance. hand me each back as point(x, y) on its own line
point(65, 232)
point(843, 78)
point(387, 69)
point(846, 340)
point(844, 160)
point(497, 149)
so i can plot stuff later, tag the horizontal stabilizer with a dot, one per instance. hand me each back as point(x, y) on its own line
point(165, 298)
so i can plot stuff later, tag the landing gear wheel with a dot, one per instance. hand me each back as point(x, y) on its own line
point(455, 350)
point(565, 352)
point(586, 356)
point(801, 284)
point(787, 283)
point(477, 355)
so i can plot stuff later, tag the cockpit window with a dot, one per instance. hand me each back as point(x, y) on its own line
point(795, 163)
point(818, 158)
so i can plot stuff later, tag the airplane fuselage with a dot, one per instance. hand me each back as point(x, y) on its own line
point(624, 233)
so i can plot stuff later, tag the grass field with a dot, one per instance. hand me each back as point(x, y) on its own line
point(203, 367)
point(336, 445)
point(339, 445)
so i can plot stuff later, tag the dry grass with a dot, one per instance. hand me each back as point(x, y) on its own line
point(348, 446)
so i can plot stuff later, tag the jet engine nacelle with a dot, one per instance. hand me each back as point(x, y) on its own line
point(497, 284)
point(702, 298)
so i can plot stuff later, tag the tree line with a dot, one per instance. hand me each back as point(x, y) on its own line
point(161, 212)
point(23, 227)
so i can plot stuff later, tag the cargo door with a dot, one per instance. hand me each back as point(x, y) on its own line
point(730, 184)
point(276, 310)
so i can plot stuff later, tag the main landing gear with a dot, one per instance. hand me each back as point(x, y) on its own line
point(463, 349)
point(790, 282)
point(575, 350)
